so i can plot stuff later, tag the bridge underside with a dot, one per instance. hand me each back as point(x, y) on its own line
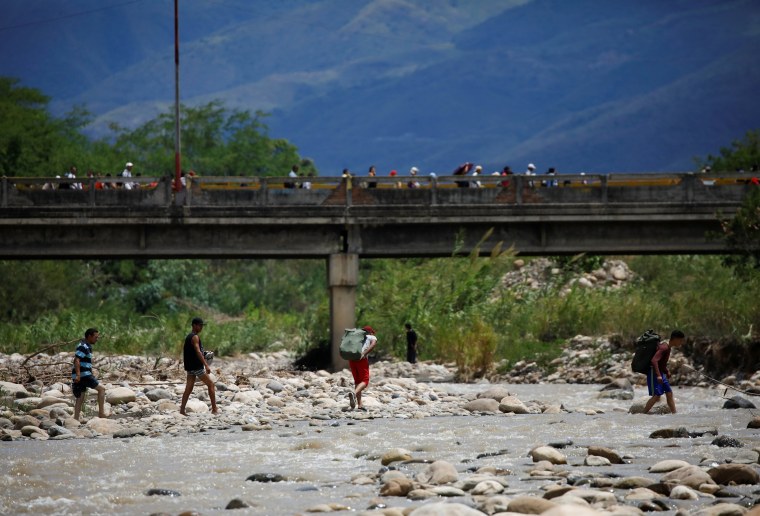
point(186, 235)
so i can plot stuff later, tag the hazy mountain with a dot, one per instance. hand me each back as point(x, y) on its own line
point(596, 85)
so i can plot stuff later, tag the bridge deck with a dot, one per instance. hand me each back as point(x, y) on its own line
point(250, 217)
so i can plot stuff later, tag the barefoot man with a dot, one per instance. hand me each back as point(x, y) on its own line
point(81, 374)
point(196, 366)
point(658, 375)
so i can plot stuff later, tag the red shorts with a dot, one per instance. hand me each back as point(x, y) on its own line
point(360, 370)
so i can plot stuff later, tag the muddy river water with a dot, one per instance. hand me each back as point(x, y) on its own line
point(319, 459)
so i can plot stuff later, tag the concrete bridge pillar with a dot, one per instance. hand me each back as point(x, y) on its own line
point(342, 279)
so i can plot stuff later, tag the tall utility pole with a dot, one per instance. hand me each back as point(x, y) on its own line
point(177, 184)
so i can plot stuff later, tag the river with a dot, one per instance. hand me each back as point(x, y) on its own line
point(112, 476)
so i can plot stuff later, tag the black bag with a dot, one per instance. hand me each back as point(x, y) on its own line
point(646, 347)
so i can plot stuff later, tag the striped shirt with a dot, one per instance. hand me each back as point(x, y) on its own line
point(84, 354)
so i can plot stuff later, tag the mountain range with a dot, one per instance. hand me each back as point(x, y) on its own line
point(580, 85)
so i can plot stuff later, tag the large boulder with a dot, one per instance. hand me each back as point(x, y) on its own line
point(482, 405)
point(158, 394)
point(512, 404)
point(637, 407)
point(607, 453)
point(570, 510)
point(13, 390)
point(103, 425)
point(692, 476)
point(670, 433)
point(397, 487)
point(48, 401)
point(439, 472)
point(395, 455)
point(736, 473)
point(665, 466)
point(247, 397)
point(737, 402)
point(196, 406)
point(496, 393)
point(619, 389)
point(548, 453)
point(530, 505)
point(487, 488)
point(119, 395)
point(722, 509)
point(445, 509)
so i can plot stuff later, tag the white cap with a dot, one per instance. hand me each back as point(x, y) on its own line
point(478, 168)
point(414, 170)
point(531, 166)
point(129, 164)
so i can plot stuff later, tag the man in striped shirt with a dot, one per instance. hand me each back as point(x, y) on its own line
point(81, 374)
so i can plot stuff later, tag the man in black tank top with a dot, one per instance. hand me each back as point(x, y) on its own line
point(196, 366)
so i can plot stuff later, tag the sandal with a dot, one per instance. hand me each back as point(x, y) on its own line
point(352, 399)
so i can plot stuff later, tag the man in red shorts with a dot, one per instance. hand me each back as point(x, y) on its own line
point(360, 369)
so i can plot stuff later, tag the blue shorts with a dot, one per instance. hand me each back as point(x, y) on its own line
point(81, 386)
point(197, 373)
point(656, 388)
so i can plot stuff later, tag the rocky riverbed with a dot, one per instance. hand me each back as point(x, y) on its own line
point(560, 441)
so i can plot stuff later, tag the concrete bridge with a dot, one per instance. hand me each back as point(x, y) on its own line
point(345, 220)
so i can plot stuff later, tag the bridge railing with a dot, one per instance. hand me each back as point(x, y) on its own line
point(19, 192)
point(407, 190)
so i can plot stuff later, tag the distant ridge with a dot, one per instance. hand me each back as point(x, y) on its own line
point(586, 85)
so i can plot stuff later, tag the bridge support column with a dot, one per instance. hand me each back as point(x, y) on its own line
point(342, 279)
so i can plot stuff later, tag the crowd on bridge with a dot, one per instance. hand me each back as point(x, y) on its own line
point(468, 175)
point(100, 184)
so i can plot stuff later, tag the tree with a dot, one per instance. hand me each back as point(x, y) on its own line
point(742, 234)
point(32, 142)
point(215, 141)
point(742, 155)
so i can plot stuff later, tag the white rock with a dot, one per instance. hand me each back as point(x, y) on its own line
point(103, 425)
point(487, 488)
point(196, 406)
point(439, 472)
point(684, 493)
point(664, 466)
point(12, 390)
point(548, 453)
point(445, 509)
point(596, 460)
point(119, 395)
point(512, 404)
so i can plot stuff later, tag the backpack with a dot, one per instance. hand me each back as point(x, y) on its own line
point(351, 343)
point(646, 347)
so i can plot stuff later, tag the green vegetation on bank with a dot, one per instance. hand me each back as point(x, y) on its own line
point(457, 305)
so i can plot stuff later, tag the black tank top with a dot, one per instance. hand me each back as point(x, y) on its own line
point(190, 357)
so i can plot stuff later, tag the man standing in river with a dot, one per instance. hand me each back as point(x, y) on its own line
point(81, 374)
point(657, 377)
point(196, 366)
point(360, 369)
